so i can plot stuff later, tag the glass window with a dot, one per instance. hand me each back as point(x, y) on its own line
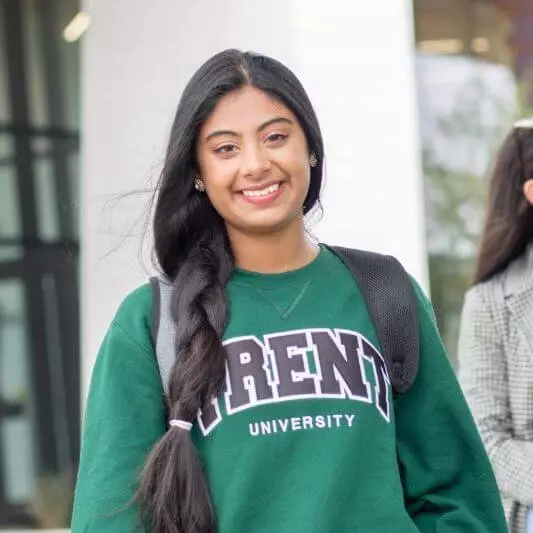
point(10, 227)
point(39, 324)
point(10, 247)
point(5, 111)
point(47, 208)
point(35, 65)
point(16, 438)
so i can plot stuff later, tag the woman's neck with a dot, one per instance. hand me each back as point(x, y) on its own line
point(282, 251)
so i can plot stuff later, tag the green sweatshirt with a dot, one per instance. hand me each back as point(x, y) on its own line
point(308, 436)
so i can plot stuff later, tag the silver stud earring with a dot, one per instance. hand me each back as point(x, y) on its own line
point(313, 161)
point(199, 184)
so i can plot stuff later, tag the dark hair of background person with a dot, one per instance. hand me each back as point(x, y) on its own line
point(509, 220)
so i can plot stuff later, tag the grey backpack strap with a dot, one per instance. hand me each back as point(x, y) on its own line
point(162, 328)
point(393, 308)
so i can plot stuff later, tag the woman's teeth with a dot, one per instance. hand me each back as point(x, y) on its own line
point(261, 192)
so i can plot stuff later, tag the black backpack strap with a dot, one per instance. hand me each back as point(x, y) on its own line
point(393, 308)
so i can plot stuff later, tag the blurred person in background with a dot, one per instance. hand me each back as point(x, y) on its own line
point(243, 168)
point(496, 339)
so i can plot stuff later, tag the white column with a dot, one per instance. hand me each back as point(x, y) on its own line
point(355, 59)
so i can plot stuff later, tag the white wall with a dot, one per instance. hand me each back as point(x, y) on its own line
point(355, 59)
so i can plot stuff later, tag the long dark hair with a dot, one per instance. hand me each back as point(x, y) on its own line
point(192, 249)
point(509, 220)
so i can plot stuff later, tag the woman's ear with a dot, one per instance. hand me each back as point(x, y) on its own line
point(528, 191)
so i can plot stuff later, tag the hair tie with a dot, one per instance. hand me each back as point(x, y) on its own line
point(180, 424)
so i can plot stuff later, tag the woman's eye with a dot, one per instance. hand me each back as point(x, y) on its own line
point(277, 137)
point(225, 149)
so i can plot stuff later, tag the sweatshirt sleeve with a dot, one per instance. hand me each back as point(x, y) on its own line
point(449, 486)
point(124, 418)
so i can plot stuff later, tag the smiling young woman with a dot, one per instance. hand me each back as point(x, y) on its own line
point(279, 415)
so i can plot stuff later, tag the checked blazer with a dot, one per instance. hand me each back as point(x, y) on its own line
point(496, 373)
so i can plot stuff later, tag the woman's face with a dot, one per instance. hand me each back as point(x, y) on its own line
point(254, 161)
